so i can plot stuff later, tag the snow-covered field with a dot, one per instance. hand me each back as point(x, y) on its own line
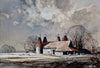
point(29, 57)
point(7, 55)
point(17, 57)
point(12, 55)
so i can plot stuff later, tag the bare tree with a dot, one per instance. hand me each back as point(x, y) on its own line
point(81, 38)
point(30, 44)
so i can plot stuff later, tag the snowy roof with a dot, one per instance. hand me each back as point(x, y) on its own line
point(60, 45)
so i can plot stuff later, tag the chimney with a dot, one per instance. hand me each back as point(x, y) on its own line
point(45, 39)
point(58, 38)
point(65, 37)
point(39, 45)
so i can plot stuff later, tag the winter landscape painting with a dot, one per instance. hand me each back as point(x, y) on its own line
point(49, 33)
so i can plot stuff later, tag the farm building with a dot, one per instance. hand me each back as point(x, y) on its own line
point(58, 47)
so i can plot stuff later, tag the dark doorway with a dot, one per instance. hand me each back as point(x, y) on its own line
point(53, 51)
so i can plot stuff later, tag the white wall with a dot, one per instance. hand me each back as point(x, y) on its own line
point(37, 50)
point(48, 51)
point(58, 53)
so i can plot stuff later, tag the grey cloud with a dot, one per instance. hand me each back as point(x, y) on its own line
point(64, 4)
point(85, 3)
point(88, 17)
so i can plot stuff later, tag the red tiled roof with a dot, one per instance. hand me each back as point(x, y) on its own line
point(60, 46)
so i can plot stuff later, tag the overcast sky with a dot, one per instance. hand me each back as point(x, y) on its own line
point(22, 18)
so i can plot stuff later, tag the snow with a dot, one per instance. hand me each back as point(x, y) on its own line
point(6, 55)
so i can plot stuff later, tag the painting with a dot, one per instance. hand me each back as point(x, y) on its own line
point(49, 33)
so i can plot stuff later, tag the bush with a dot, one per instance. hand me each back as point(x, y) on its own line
point(7, 49)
